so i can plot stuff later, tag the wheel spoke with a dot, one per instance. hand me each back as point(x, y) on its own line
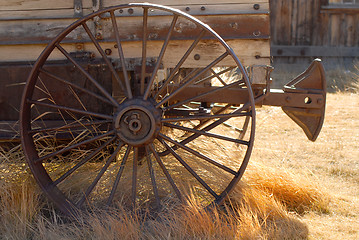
point(167, 174)
point(245, 107)
point(153, 179)
point(118, 176)
point(88, 76)
point(179, 64)
point(221, 116)
point(203, 122)
point(103, 54)
point(82, 162)
point(134, 176)
point(143, 97)
point(99, 175)
point(122, 57)
point(59, 107)
point(203, 95)
point(217, 75)
point(160, 57)
point(75, 124)
point(189, 169)
point(144, 50)
point(196, 153)
point(76, 86)
point(207, 134)
point(213, 125)
point(185, 84)
point(66, 149)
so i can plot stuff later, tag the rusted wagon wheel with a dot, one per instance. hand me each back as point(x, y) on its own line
point(98, 131)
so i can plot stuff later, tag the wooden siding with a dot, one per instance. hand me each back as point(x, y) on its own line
point(27, 26)
point(300, 23)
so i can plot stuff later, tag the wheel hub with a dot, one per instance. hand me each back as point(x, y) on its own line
point(137, 122)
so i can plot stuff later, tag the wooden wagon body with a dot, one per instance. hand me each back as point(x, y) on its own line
point(123, 75)
point(26, 27)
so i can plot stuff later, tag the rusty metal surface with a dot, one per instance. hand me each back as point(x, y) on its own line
point(312, 81)
point(282, 98)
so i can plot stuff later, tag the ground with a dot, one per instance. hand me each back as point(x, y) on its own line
point(293, 189)
point(332, 161)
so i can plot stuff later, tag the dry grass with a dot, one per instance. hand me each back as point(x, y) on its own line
point(331, 162)
point(293, 189)
point(342, 75)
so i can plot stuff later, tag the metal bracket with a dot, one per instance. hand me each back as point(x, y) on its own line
point(313, 82)
point(78, 10)
point(96, 6)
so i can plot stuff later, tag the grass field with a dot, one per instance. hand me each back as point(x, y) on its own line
point(332, 162)
point(292, 189)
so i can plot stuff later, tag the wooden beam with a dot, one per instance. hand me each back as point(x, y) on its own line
point(44, 30)
point(107, 3)
point(313, 51)
point(249, 52)
point(340, 8)
point(194, 10)
point(16, 5)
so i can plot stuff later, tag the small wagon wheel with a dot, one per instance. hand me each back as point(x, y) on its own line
point(146, 144)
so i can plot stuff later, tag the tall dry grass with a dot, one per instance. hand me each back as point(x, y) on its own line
point(265, 205)
point(274, 200)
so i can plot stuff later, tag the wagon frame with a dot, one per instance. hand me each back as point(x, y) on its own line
point(143, 83)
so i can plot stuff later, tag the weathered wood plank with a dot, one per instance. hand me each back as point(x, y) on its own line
point(302, 23)
point(313, 22)
point(341, 8)
point(356, 41)
point(209, 9)
point(343, 31)
point(334, 29)
point(274, 20)
point(284, 30)
point(324, 33)
point(313, 51)
point(34, 31)
point(13, 5)
point(227, 26)
point(107, 3)
point(194, 10)
point(41, 14)
point(12, 82)
point(309, 15)
point(45, 4)
point(317, 24)
point(250, 52)
point(350, 28)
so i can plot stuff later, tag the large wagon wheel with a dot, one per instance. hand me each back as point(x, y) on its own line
point(145, 144)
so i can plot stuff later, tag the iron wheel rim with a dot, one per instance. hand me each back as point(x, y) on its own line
point(39, 171)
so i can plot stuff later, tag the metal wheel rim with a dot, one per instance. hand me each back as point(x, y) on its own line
point(40, 173)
